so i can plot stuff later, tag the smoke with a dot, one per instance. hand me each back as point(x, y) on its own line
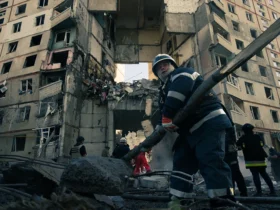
point(162, 154)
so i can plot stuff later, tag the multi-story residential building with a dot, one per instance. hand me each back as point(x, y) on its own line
point(51, 51)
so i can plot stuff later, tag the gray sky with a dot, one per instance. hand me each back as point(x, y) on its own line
point(136, 71)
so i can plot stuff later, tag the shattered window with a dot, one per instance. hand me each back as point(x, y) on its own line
point(24, 113)
point(6, 67)
point(17, 27)
point(12, 47)
point(35, 40)
point(274, 115)
point(18, 143)
point(269, 93)
point(255, 112)
point(30, 61)
point(249, 88)
point(26, 85)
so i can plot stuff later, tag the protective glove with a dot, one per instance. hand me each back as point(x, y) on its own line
point(167, 124)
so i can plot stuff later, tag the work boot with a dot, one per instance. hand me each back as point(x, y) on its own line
point(258, 194)
point(221, 201)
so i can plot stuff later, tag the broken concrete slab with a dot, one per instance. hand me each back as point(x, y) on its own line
point(96, 175)
point(157, 182)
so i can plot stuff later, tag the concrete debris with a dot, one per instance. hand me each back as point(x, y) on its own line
point(96, 175)
point(154, 182)
point(108, 90)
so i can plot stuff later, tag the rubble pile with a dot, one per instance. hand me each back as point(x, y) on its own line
point(107, 90)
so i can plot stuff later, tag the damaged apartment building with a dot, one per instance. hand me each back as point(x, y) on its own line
point(53, 51)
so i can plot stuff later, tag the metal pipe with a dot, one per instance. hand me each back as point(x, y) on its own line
point(269, 200)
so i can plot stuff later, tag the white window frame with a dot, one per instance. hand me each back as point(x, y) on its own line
point(277, 74)
point(18, 25)
point(271, 96)
point(232, 80)
point(231, 8)
point(274, 15)
point(15, 144)
point(41, 19)
point(249, 16)
point(273, 55)
point(43, 5)
point(271, 2)
point(14, 47)
point(26, 85)
point(276, 64)
point(65, 37)
point(22, 115)
point(249, 88)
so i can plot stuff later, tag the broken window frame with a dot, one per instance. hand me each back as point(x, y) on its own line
point(21, 7)
point(43, 3)
point(255, 115)
point(233, 81)
point(24, 113)
point(9, 64)
point(40, 20)
point(45, 133)
point(231, 8)
point(32, 41)
point(52, 106)
point(249, 16)
point(275, 116)
point(12, 47)
point(67, 36)
point(17, 27)
point(249, 88)
point(27, 85)
point(27, 61)
point(218, 60)
point(15, 143)
point(269, 93)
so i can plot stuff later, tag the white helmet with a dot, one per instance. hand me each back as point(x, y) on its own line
point(123, 140)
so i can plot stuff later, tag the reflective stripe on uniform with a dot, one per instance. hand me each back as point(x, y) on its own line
point(255, 163)
point(192, 76)
point(181, 194)
point(212, 193)
point(177, 95)
point(207, 117)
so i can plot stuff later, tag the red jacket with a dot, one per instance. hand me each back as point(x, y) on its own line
point(141, 164)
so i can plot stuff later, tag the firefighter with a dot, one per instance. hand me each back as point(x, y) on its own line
point(79, 150)
point(201, 141)
point(121, 149)
point(254, 155)
point(232, 160)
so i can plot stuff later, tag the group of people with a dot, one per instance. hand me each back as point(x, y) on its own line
point(139, 163)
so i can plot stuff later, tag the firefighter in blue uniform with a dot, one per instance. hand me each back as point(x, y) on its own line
point(254, 155)
point(201, 141)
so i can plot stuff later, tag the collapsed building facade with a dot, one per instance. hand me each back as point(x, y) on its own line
point(58, 66)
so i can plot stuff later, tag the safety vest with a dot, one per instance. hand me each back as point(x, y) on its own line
point(75, 151)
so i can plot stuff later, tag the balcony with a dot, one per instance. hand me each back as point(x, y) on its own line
point(101, 5)
point(62, 20)
point(217, 21)
point(50, 90)
point(216, 3)
point(222, 45)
